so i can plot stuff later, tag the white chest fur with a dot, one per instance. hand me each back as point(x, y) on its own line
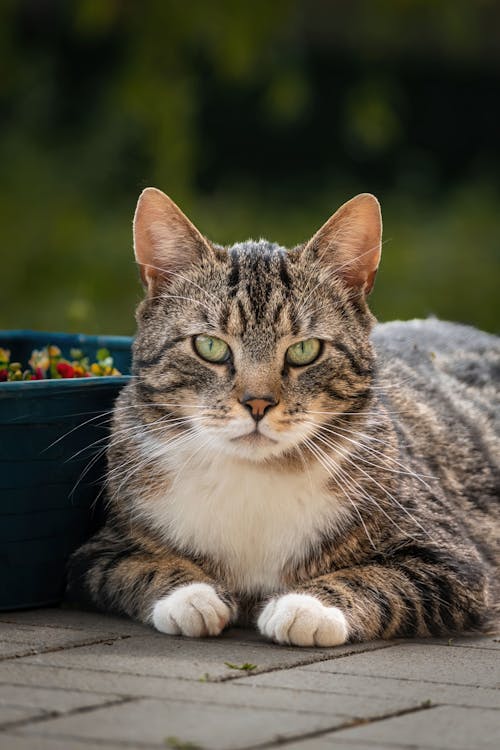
point(250, 519)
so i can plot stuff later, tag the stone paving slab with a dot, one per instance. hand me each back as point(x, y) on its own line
point(9, 714)
point(163, 656)
point(18, 640)
point(488, 642)
point(106, 683)
point(12, 648)
point(332, 742)
point(10, 741)
point(50, 699)
point(148, 721)
point(462, 729)
point(75, 619)
point(417, 661)
point(243, 692)
point(50, 636)
point(361, 688)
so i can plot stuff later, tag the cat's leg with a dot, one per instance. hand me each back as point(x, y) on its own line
point(421, 593)
point(115, 573)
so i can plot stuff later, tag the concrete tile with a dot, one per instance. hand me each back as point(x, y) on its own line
point(292, 692)
point(9, 714)
point(213, 727)
point(11, 741)
point(244, 692)
point(18, 672)
point(491, 642)
point(50, 699)
point(13, 632)
point(331, 742)
point(75, 619)
point(415, 661)
point(34, 633)
point(103, 623)
point(443, 727)
point(167, 656)
point(362, 688)
point(10, 649)
point(16, 640)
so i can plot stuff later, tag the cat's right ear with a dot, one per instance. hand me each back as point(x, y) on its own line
point(165, 241)
point(351, 241)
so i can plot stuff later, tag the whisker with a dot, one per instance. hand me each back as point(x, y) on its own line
point(377, 483)
point(123, 434)
point(124, 474)
point(373, 501)
point(404, 469)
point(203, 445)
point(321, 457)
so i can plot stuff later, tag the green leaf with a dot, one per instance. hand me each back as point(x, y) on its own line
point(246, 667)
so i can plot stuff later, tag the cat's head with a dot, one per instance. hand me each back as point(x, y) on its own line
point(252, 347)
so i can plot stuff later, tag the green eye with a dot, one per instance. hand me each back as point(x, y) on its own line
point(304, 352)
point(211, 348)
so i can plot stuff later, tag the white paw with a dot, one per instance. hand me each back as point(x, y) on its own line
point(302, 620)
point(194, 610)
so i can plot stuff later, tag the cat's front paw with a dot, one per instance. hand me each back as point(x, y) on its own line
point(302, 620)
point(194, 610)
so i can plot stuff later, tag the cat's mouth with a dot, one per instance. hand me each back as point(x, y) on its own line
point(253, 438)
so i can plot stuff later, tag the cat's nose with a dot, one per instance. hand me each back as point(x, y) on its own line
point(258, 405)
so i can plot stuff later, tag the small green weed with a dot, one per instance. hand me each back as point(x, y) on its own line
point(246, 667)
point(176, 744)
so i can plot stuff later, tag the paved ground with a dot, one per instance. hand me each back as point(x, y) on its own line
point(76, 681)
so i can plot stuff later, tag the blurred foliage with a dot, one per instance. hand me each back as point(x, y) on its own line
point(259, 119)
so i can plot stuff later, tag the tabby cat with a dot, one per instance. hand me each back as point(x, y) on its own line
point(278, 458)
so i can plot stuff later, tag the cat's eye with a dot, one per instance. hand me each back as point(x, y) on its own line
point(303, 352)
point(211, 348)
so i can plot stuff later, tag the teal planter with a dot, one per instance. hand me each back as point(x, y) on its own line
point(49, 480)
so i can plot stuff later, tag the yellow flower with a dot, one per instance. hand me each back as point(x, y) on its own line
point(4, 355)
point(39, 358)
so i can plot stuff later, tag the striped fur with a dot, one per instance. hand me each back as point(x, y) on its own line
point(375, 491)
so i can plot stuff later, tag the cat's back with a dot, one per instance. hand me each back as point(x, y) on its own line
point(431, 352)
point(440, 383)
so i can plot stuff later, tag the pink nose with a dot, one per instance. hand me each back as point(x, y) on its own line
point(258, 406)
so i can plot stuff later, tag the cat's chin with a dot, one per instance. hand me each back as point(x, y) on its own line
point(254, 446)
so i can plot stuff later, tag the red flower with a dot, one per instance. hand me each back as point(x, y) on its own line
point(65, 370)
point(38, 374)
point(4, 374)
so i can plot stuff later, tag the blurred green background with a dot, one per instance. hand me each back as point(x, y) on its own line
point(259, 119)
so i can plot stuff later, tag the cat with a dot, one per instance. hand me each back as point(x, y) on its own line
point(278, 458)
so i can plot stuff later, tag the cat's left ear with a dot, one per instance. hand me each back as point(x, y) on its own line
point(165, 241)
point(350, 242)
